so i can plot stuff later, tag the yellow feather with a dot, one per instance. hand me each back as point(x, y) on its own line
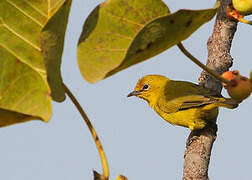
point(179, 102)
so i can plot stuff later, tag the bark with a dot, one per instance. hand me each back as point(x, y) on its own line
point(199, 143)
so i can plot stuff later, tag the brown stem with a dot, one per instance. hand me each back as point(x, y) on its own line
point(198, 150)
point(204, 67)
point(232, 13)
point(104, 161)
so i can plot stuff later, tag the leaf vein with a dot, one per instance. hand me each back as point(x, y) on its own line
point(48, 8)
point(34, 108)
point(36, 9)
point(125, 20)
point(109, 49)
point(23, 98)
point(25, 13)
point(12, 84)
point(41, 71)
point(56, 7)
point(21, 37)
point(117, 34)
point(138, 12)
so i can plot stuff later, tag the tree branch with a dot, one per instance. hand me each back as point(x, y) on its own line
point(198, 150)
point(204, 67)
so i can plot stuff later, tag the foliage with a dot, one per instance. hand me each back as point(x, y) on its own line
point(31, 44)
point(121, 33)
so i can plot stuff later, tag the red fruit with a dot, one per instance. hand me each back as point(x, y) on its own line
point(227, 75)
point(239, 88)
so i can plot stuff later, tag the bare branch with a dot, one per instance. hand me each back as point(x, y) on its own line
point(199, 143)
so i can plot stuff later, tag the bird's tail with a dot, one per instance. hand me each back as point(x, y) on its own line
point(228, 103)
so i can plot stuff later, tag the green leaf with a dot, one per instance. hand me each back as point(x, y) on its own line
point(52, 44)
point(24, 91)
point(121, 33)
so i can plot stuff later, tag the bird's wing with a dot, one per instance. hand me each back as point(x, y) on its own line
point(183, 103)
point(180, 95)
point(195, 101)
point(188, 88)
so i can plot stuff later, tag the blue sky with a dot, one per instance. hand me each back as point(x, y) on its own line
point(138, 143)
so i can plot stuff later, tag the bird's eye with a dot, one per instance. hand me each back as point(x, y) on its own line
point(146, 86)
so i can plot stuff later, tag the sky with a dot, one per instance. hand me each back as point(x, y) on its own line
point(138, 143)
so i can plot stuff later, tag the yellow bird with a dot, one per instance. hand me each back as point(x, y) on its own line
point(179, 102)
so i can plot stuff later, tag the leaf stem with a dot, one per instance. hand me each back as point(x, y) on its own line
point(245, 21)
point(196, 61)
point(234, 14)
point(92, 130)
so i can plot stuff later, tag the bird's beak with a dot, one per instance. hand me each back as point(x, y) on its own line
point(133, 93)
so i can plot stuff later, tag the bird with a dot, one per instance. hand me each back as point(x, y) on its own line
point(181, 103)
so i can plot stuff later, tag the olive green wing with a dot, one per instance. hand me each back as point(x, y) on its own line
point(182, 88)
point(182, 95)
point(183, 102)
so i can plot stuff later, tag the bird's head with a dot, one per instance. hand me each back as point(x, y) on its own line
point(149, 87)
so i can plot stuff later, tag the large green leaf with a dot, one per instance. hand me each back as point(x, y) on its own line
point(24, 91)
point(121, 33)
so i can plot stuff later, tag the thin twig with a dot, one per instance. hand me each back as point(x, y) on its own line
point(245, 21)
point(204, 67)
point(92, 130)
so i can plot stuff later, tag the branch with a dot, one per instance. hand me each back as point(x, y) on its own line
point(204, 67)
point(104, 162)
point(198, 150)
